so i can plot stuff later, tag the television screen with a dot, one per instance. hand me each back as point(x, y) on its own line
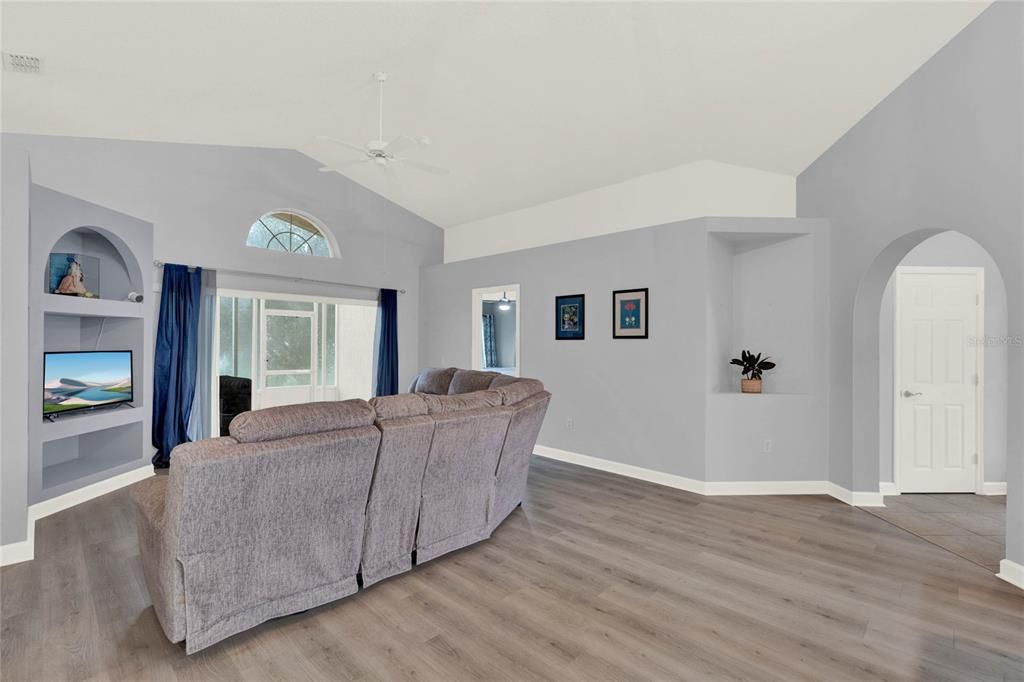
point(77, 381)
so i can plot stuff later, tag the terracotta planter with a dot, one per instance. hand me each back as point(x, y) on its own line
point(750, 385)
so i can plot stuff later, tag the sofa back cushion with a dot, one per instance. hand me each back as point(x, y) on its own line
point(259, 522)
point(458, 483)
point(398, 406)
point(435, 381)
point(516, 391)
point(469, 380)
point(288, 421)
point(445, 404)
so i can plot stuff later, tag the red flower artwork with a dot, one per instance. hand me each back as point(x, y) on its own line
point(630, 306)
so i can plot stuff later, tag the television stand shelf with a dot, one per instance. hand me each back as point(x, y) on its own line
point(75, 424)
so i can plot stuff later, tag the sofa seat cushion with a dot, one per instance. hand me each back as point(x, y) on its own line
point(445, 404)
point(435, 381)
point(287, 421)
point(399, 406)
point(470, 380)
point(517, 391)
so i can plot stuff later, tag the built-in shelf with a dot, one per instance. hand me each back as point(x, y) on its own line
point(80, 449)
point(55, 304)
point(766, 394)
point(75, 461)
point(71, 424)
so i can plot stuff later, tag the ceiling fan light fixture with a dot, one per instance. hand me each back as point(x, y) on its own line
point(503, 303)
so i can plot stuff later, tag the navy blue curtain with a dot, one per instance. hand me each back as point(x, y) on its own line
point(387, 344)
point(175, 360)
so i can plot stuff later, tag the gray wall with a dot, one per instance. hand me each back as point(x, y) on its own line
point(638, 402)
point(14, 278)
point(201, 200)
point(942, 152)
point(952, 248)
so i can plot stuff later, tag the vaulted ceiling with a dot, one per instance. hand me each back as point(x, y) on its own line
point(524, 102)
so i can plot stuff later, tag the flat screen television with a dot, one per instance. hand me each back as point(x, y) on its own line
point(86, 380)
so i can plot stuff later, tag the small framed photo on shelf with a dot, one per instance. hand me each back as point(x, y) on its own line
point(630, 313)
point(73, 274)
point(570, 317)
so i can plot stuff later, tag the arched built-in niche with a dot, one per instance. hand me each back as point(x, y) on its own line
point(119, 269)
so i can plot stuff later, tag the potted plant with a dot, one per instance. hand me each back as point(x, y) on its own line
point(753, 366)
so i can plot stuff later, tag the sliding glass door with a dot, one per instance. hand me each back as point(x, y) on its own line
point(297, 349)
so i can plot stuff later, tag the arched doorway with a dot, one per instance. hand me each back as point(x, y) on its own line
point(873, 417)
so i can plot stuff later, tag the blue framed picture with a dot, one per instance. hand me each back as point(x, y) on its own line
point(629, 314)
point(570, 317)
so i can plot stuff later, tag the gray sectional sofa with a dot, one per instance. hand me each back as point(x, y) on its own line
point(287, 512)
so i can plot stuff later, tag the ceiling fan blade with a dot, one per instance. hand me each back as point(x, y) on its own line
point(399, 144)
point(426, 167)
point(337, 167)
point(349, 145)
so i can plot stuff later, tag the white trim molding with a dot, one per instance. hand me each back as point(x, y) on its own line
point(859, 499)
point(671, 480)
point(17, 552)
point(887, 488)
point(1011, 572)
point(993, 488)
point(856, 498)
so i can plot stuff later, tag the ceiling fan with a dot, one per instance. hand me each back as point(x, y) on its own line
point(381, 151)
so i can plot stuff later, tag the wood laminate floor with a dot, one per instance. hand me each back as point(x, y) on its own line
point(971, 526)
point(598, 577)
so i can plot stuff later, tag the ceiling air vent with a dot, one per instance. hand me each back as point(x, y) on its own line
point(22, 63)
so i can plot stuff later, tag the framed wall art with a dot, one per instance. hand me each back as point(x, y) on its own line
point(630, 314)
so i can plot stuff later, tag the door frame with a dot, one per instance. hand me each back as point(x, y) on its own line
point(979, 349)
point(477, 310)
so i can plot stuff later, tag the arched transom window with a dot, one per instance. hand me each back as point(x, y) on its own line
point(284, 231)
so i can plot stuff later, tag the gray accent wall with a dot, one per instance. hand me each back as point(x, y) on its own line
point(944, 151)
point(201, 201)
point(654, 403)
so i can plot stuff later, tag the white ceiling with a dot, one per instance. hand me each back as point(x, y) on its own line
point(525, 102)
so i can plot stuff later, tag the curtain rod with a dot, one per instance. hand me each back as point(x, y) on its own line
point(160, 264)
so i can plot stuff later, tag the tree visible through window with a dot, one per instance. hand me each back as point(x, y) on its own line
point(289, 232)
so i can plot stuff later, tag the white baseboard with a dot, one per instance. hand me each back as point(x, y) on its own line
point(628, 470)
point(1011, 572)
point(766, 488)
point(991, 488)
point(856, 498)
point(887, 488)
point(16, 552)
point(860, 499)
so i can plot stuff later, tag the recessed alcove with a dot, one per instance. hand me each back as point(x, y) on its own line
point(766, 293)
point(119, 271)
point(760, 298)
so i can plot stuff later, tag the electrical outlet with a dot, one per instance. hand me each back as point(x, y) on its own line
point(570, 424)
point(767, 446)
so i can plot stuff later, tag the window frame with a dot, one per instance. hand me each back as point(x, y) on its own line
point(332, 245)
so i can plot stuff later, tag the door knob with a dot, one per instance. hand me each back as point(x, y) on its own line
point(910, 394)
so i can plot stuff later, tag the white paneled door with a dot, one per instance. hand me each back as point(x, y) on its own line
point(937, 378)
